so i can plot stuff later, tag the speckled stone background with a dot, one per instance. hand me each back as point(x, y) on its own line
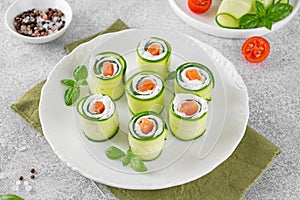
point(273, 88)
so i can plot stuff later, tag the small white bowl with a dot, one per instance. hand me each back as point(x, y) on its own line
point(20, 6)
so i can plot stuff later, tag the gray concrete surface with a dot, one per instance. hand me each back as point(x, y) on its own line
point(273, 88)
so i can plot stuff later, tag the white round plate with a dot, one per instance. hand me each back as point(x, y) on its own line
point(180, 162)
point(206, 22)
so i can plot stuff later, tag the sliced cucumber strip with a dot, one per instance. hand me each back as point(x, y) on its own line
point(160, 63)
point(147, 146)
point(98, 129)
point(154, 101)
point(230, 11)
point(183, 127)
point(112, 86)
point(202, 89)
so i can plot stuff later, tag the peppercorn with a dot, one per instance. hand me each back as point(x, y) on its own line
point(32, 170)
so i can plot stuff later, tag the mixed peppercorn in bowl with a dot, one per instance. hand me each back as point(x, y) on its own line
point(38, 21)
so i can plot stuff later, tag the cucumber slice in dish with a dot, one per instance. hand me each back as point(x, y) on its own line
point(145, 92)
point(147, 133)
point(187, 116)
point(230, 11)
point(154, 54)
point(194, 78)
point(98, 117)
point(107, 74)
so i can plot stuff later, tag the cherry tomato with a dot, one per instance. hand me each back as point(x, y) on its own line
point(199, 6)
point(256, 49)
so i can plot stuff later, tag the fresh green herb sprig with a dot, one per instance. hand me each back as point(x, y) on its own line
point(73, 92)
point(10, 197)
point(265, 17)
point(135, 162)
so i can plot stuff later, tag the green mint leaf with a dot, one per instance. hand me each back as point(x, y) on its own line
point(82, 82)
point(127, 158)
point(80, 73)
point(10, 197)
point(171, 75)
point(71, 95)
point(279, 11)
point(267, 23)
point(260, 9)
point(68, 82)
point(137, 164)
point(114, 153)
point(248, 21)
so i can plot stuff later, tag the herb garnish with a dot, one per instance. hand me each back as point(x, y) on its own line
point(10, 197)
point(136, 163)
point(265, 17)
point(73, 92)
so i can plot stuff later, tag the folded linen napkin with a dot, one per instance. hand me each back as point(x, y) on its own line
point(228, 181)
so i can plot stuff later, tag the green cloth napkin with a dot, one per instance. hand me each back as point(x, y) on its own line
point(228, 181)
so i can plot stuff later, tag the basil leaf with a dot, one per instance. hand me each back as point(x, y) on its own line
point(80, 73)
point(127, 158)
point(10, 197)
point(267, 23)
point(171, 75)
point(82, 82)
point(279, 11)
point(68, 82)
point(260, 9)
point(249, 21)
point(137, 164)
point(114, 153)
point(71, 95)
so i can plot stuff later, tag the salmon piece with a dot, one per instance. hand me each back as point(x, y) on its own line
point(146, 85)
point(146, 125)
point(107, 68)
point(99, 107)
point(192, 74)
point(189, 107)
point(154, 49)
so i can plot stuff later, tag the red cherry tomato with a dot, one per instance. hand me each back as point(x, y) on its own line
point(199, 6)
point(256, 49)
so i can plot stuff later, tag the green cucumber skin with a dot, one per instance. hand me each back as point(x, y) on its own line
point(161, 66)
point(113, 87)
point(136, 105)
point(180, 126)
point(147, 150)
point(139, 105)
point(93, 140)
point(99, 131)
point(203, 92)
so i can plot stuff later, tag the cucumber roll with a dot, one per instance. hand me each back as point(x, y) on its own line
point(187, 116)
point(107, 77)
point(98, 116)
point(194, 78)
point(147, 133)
point(145, 92)
point(154, 54)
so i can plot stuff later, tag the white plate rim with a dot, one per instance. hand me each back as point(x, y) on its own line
point(238, 82)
